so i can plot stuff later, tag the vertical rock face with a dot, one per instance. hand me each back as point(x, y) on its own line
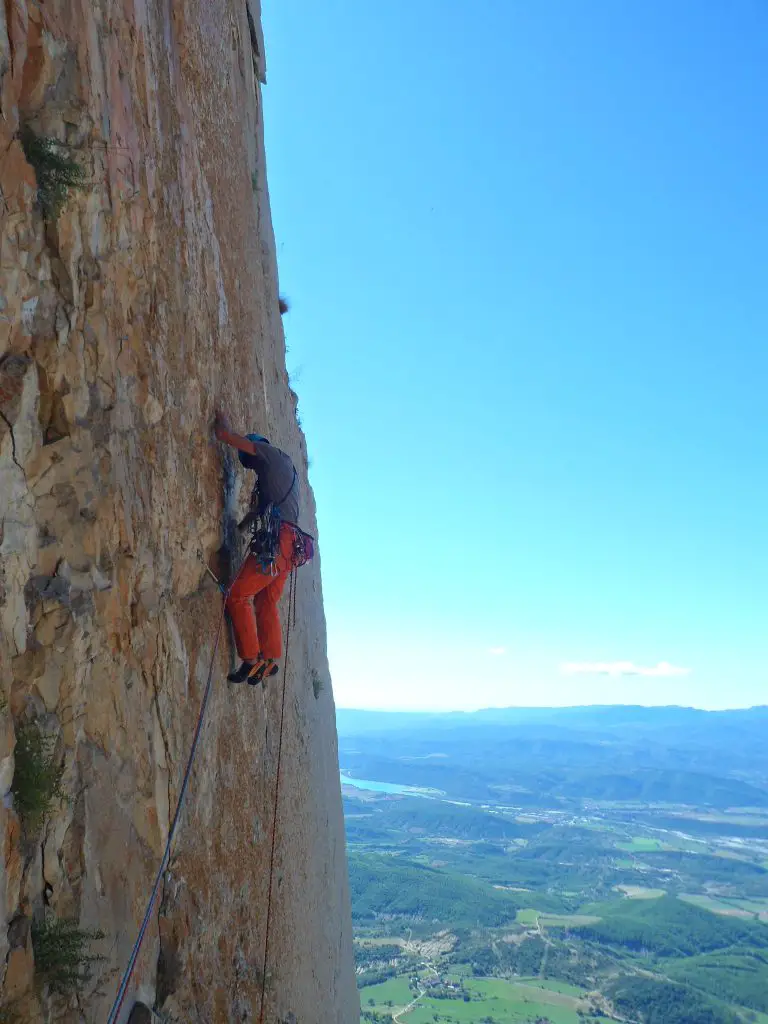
point(130, 306)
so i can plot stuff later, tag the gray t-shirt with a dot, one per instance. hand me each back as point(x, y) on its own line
point(278, 481)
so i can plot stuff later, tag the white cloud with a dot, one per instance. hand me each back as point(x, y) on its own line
point(621, 668)
point(497, 650)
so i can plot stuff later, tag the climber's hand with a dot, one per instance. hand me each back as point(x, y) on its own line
point(220, 425)
point(224, 432)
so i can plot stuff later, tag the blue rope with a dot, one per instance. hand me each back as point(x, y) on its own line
point(120, 997)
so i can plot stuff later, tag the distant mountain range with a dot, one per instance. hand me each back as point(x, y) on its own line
point(587, 715)
point(669, 755)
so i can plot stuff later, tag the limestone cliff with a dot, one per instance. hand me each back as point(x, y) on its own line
point(138, 289)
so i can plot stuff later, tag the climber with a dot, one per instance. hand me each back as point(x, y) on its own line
point(277, 547)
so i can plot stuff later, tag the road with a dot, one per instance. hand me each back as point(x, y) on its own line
point(407, 1009)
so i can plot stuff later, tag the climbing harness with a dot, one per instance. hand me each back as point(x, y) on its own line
point(291, 615)
point(265, 537)
point(264, 523)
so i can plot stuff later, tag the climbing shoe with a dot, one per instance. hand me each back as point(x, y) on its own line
point(263, 670)
point(243, 673)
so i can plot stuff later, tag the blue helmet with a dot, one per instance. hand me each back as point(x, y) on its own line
point(248, 460)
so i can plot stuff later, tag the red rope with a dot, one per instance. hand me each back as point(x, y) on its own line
point(291, 601)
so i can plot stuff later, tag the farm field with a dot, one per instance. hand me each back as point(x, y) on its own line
point(558, 908)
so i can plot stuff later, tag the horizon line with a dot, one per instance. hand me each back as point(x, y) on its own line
point(547, 707)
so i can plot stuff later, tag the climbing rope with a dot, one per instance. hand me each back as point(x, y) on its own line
point(120, 997)
point(122, 990)
point(291, 614)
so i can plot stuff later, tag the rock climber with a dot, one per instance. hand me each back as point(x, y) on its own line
point(277, 547)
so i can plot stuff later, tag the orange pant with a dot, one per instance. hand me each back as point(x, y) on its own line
point(252, 603)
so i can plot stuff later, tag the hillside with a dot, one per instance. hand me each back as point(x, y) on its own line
point(669, 927)
point(645, 755)
point(558, 865)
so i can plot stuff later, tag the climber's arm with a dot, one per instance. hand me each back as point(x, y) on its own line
point(227, 436)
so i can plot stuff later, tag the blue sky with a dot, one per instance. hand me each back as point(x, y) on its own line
point(526, 246)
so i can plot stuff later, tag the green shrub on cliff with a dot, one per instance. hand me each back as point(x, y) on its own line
point(62, 953)
point(57, 173)
point(37, 776)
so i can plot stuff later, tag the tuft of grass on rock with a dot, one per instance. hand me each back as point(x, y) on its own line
point(317, 685)
point(56, 171)
point(37, 776)
point(62, 951)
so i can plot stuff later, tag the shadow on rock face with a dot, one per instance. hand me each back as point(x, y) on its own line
point(140, 1014)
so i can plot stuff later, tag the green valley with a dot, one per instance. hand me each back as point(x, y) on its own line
point(547, 905)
